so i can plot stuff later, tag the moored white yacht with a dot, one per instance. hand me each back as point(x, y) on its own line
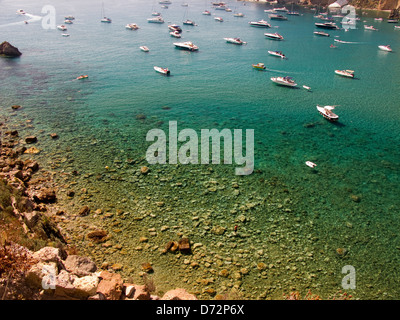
point(62, 27)
point(261, 23)
point(239, 14)
point(219, 19)
point(67, 21)
point(320, 33)
point(175, 27)
point(327, 113)
point(132, 26)
point(284, 81)
point(283, 9)
point(206, 13)
point(234, 40)
point(187, 45)
point(326, 25)
point(175, 34)
point(144, 48)
point(273, 36)
point(189, 22)
point(345, 73)
point(157, 19)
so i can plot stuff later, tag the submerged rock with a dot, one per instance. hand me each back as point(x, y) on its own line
point(9, 50)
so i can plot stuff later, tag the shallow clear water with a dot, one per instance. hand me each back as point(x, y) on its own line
point(295, 218)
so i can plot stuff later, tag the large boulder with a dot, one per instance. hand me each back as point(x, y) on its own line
point(9, 50)
point(110, 286)
point(80, 265)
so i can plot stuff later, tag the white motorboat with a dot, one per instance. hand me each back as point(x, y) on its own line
point(69, 18)
point(307, 88)
point(20, 11)
point(327, 113)
point(175, 34)
point(326, 25)
point(187, 45)
point(132, 26)
point(189, 22)
point(157, 19)
point(370, 28)
point(345, 73)
point(206, 13)
point(397, 27)
point(277, 54)
point(106, 20)
point(65, 35)
point(62, 27)
point(67, 21)
point(320, 33)
point(156, 14)
point(284, 81)
point(293, 13)
point(239, 14)
point(219, 19)
point(378, 19)
point(234, 40)
point(175, 27)
point(165, 71)
point(228, 10)
point(165, 2)
point(385, 48)
point(273, 36)
point(283, 9)
point(144, 48)
point(221, 7)
point(261, 23)
point(277, 17)
point(270, 11)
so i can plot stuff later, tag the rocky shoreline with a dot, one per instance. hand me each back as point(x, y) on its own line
point(28, 218)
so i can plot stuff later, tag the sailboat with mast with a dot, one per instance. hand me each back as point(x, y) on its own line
point(188, 21)
point(104, 18)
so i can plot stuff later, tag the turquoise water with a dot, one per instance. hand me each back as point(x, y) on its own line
point(297, 217)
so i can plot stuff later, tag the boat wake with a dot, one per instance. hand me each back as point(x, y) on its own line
point(32, 18)
point(348, 42)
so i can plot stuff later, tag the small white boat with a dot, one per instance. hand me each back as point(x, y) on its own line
point(228, 10)
point(206, 13)
point(277, 54)
point(189, 22)
point(307, 88)
point(20, 11)
point(62, 27)
point(261, 23)
point(132, 26)
point(283, 9)
point(235, 40)
point(65, 35)
point(378, 19)
point(397, 27)
point(175, 34)
point(311, 164)
point(284, 81)
point(270, 11)
point(385, 48)
point(67, 21)
point(239, 14)
point(144, 48)
point(162, 70)
point(175, 27)
point(293, 13)
point(370, 28)
point(165, 2)
point(327, 113)
point(273, 36)
point(156, 14)
point(106, 20)
point(345, 73)
point(187, 45)
point(321, 33)
point(219, 19)
point(157, 19)
point(69, 18)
